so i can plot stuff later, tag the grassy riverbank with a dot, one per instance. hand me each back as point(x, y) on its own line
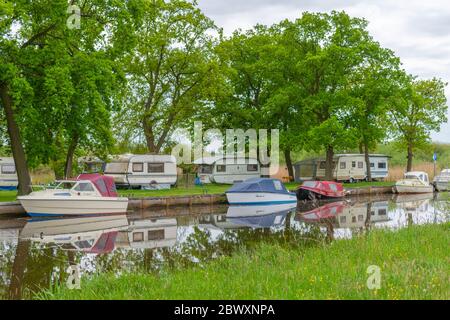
point(6, 196)
point(414, 264)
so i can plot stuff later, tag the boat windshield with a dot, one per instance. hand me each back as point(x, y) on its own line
point(411, 177)
point(65, 185)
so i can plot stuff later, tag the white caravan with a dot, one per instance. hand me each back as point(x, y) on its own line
point(143, 170)
point(227, 170)
point(8, 174)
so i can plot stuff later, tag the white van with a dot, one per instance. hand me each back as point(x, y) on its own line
point(8, 174)
point(227, 170)
point(143, 170)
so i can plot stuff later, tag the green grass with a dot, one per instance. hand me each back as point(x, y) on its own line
point(7, 196)
point(414, 264)
point(369, 184)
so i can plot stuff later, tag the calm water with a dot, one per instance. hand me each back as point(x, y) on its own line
point(36, 254)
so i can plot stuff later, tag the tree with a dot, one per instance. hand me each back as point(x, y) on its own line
point(169, 69)
point(372, 84)
point(330, 47)
point(56, 81)
point(419, 107)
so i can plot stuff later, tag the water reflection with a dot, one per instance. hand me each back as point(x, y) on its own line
point(35, 254)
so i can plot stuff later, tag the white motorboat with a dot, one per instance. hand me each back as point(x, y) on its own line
point(414, 182)
point(89, 194)
point(442, 181)
point(258, 191)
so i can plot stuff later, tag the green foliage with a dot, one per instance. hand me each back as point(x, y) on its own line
point(413, 262)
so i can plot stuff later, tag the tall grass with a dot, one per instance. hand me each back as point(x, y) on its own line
point(397, 172)
point(413, 264)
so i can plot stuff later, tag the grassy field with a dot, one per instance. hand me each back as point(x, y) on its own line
point(414, 264)
point(182, 191)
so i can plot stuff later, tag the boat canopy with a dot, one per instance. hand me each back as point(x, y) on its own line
point(104, 184)
point(259, 185)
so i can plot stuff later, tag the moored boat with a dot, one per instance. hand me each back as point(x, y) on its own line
point(89, 194)
point(414, 182)
point(257, 191)
point(442, 181)
point(311, 190)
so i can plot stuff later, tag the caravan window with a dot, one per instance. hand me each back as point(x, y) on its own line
point(372, 165)
point(156, 168)
point(353, 164)
point(360, 165)
point(205, 169)
point(8, 169)
point(221, 168)
point(138, 167)
point(382, 165)
point(343, 165)
point(116, 167)
point(252, 167)
point(156, 235)
point(322, 165)
point(138, 236)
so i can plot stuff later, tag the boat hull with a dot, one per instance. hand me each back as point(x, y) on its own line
point(442, 186)
point(260, 198)
point(75, 207)
point(414, 189)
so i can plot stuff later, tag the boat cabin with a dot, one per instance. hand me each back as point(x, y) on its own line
point(143, 170)
point(8, 174)
point(417, 175)
point(87, 184)
point(227, 170)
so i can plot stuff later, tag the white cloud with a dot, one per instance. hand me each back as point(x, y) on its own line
point(417, 31)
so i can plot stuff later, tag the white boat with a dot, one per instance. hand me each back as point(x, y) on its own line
point(442, 181)
point(89, 194)
point(258, 191)
point(414, 182)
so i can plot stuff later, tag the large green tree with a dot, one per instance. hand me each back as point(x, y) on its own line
point(419, 108)
point(170, 70)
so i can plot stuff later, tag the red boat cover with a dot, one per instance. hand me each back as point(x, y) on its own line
point(105, 243)
point(327, 188)
point(104, 184)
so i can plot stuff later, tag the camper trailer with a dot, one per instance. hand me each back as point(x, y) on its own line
point(8, 174)
point(143, 170)
point(347, 167)
point(227, 170)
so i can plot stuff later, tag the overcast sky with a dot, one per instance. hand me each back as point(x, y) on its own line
point(417, 30)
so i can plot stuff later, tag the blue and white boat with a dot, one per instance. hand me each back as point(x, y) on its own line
point(259, 191)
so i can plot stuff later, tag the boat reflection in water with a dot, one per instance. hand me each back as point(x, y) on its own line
point(260, 216)
point(344, 218)
point(95, 234)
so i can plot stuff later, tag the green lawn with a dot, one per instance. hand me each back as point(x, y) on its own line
point(182, 191)
point(414, 264)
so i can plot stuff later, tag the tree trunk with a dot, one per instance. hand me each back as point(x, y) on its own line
point(361, 145)
point(149, 137)
point(68, 167)
point(329, 164)
point(18, 152)
point(369, 169)
point(287, 156)
point(18, 269)
point(410, 158)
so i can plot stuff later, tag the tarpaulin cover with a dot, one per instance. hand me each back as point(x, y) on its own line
point(259, 185)
point(104, 184)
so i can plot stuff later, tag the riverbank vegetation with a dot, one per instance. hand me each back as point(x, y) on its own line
point(413, 264)
point(132, 73)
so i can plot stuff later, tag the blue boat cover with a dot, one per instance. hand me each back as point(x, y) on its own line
point(259, 185)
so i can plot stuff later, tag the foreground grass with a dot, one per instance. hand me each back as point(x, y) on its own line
point(414, 264)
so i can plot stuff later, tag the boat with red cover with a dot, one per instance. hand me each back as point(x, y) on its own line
point(312, 190)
